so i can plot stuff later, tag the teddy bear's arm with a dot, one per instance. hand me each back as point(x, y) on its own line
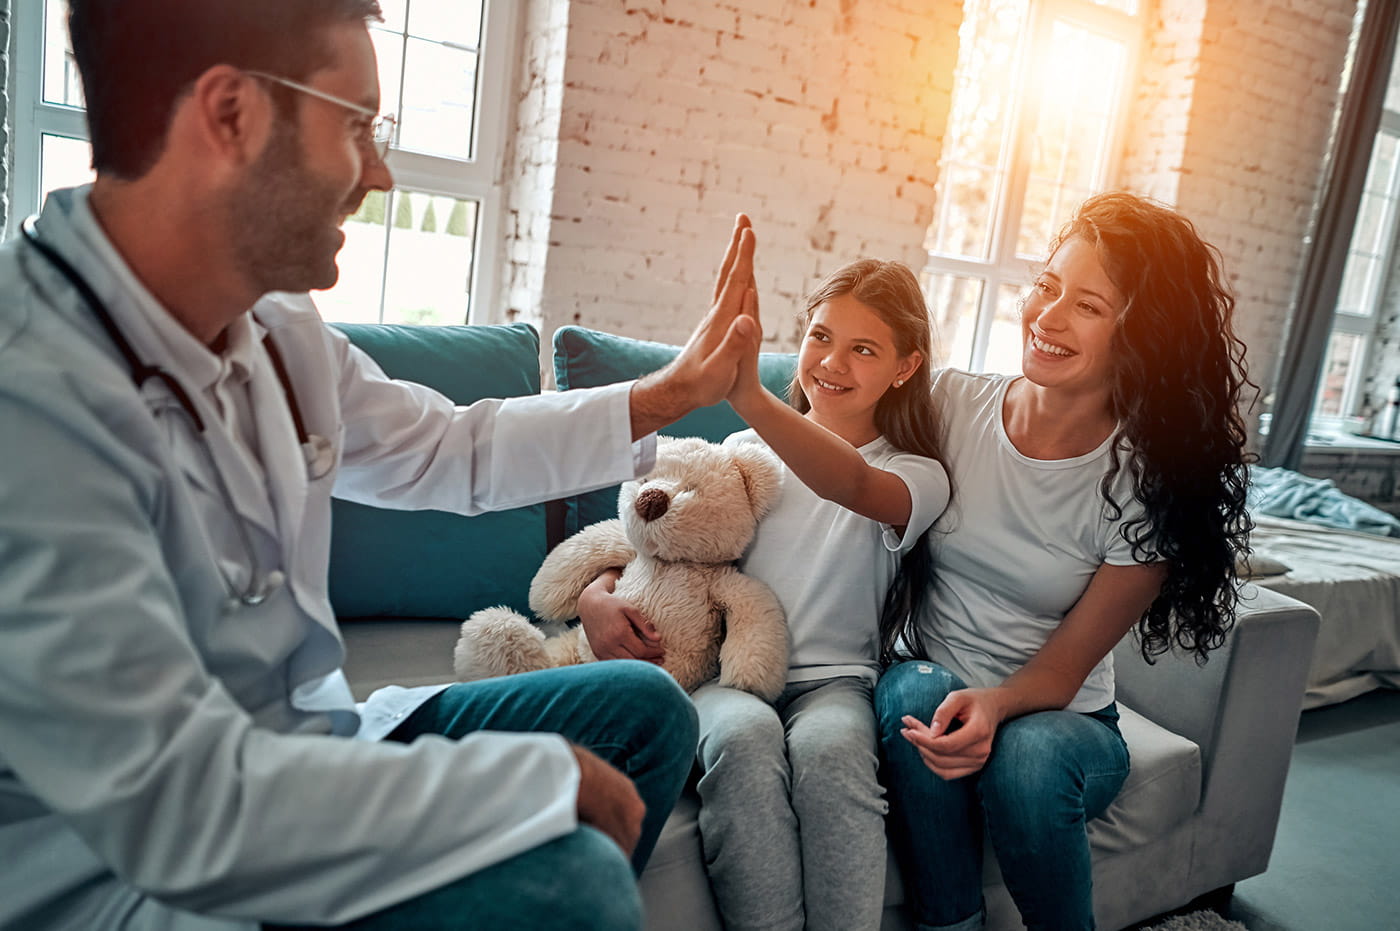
point(754, 654)
point(573, 564)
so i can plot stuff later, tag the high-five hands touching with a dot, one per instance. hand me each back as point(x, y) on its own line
point(705, 370)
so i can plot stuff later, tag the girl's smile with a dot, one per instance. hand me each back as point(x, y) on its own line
point(847, 362)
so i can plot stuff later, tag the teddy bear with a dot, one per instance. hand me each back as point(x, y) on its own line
point(679, 530)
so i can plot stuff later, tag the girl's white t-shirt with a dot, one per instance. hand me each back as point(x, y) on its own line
point(1019, 543)
point(831, 567)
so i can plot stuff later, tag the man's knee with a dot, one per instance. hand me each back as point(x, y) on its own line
point(579, 881)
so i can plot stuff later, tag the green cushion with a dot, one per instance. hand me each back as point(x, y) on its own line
point(585, 358)
point(387, 563)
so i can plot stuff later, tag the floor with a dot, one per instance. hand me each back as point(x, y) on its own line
point(1336, 859)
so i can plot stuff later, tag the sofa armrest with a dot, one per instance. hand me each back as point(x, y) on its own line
point(1241, 709)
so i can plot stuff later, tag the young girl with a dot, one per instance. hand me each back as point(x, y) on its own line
point(792, 815)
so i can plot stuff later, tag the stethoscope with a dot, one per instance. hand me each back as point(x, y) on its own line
point(316, 450)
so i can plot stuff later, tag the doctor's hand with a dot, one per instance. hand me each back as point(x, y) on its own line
point(607, 800)
point(615, 629)
point(958, 740)
point(705, 370)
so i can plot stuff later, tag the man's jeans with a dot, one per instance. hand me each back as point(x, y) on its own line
point(1049, 773)
point(631, 714)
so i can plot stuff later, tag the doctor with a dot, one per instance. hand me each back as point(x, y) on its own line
point(178, 746)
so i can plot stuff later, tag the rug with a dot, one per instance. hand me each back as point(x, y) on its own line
point(1204, 920)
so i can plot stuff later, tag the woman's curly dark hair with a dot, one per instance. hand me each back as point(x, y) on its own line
point(1177, 382)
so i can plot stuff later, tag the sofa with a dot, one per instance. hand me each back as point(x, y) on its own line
point(1210, 744)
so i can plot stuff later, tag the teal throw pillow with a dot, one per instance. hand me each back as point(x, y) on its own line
point(390, 563)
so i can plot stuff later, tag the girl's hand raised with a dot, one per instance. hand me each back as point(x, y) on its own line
point(748, 388)
point(959, 739)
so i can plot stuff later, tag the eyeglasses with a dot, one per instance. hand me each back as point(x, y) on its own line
point(379, 132)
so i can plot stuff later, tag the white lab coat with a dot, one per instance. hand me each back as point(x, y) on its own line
point(164, 762)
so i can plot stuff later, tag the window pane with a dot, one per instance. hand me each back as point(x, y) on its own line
point(1379, 174)
point(1370, 217)
point(1392, 90)
point(457, 22)
point(428, 74)
point(1078, 90)
point(61, 83)
point(1358, 283)
point(388, 49)
point(952, 303)
point(358, 294)
point(1004, 340)
point(1343, 357)
point(431, 246)
point(983, 95)
point(409, 253)
point(63, 162)
point(439, 99)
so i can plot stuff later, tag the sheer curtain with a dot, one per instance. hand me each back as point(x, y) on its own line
point(1316, 299)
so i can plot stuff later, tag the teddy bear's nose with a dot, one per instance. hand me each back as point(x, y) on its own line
point(652, 503)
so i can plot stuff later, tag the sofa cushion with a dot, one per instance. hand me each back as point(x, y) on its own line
point(389, 563)
point(585, 358)
point(1163, 787)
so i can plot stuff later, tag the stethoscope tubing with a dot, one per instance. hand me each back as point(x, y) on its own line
point(260, 585)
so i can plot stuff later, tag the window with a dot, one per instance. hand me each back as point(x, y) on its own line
point(1369, 258)
point(1040, 92)
point(422, 253)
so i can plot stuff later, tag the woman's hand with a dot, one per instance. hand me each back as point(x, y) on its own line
point(615, 629)
point(959, 739)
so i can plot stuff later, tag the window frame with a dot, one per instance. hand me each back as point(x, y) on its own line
point(1004, 266)
point(478, 178)
point(1365, 324)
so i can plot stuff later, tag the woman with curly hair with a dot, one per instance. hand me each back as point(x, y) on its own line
point(1102, 489)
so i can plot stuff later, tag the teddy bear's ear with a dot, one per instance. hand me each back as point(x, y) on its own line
point(762, 474)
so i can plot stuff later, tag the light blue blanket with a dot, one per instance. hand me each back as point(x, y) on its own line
point(1285, 493)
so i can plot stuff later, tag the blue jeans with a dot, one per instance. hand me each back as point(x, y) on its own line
point(631, 714)
point(1049, 773)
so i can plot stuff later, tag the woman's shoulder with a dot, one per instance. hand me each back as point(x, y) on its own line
point(951, 381)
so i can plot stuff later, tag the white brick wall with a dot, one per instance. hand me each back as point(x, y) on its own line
point(646, 124)
point(1260, 84)
point(823, 120)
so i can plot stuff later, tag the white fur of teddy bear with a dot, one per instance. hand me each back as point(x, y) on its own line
point(680, 529)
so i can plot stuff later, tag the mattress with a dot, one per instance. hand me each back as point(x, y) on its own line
point(1353, 580)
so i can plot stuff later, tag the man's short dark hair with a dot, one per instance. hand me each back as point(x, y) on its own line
point(137, 57)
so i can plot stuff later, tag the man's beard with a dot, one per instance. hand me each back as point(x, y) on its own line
point(283, 219)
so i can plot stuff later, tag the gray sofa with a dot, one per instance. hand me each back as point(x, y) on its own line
point(1210, 745)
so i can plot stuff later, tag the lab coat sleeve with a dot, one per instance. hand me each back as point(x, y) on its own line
point(407, 446)
point(109, 717)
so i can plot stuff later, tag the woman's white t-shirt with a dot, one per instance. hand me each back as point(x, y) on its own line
point(831, 567)
point(1019, 543)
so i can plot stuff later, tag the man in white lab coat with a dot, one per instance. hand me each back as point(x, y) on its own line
point(178, 746)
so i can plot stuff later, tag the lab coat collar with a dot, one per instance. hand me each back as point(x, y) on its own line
point(68, 224)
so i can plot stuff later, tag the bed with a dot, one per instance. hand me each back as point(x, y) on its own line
point(1353, 580)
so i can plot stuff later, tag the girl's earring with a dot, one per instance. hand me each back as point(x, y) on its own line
point(899, 382)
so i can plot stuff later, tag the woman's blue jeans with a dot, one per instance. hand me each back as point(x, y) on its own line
point(1049, 773)
point(633, 715)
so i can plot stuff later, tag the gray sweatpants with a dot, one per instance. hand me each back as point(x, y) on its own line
point(792, 812)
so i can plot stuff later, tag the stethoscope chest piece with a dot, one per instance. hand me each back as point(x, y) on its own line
point(319, 455)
